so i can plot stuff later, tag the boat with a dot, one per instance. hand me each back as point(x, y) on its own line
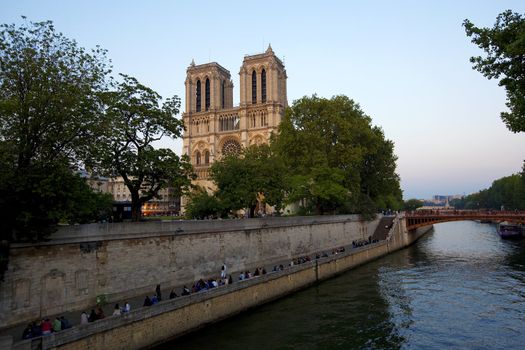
point(508, 230)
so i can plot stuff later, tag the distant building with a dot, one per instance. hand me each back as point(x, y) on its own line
point(441, 200)
point(167, 204)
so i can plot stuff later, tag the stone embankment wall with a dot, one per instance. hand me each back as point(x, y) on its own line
point(123, 260)
point(146, 327)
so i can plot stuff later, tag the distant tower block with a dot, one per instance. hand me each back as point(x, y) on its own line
point(215, 127)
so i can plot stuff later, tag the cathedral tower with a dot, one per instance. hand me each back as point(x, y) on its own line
point(214, 127)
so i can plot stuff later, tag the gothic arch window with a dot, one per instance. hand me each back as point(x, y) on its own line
point(222, 94)
point(198, 158)
point(254, 87)
point(206, 157)
point(207, 97)
point(263, 85)
point(198, 97)
point(231, 147)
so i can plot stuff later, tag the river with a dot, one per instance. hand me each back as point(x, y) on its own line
point(460, 287)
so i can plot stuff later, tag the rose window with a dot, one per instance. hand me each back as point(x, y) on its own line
point(231, 147)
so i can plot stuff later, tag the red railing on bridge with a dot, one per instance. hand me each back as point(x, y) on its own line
point(420, 218)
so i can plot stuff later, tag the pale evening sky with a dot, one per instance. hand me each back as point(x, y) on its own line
point(405, 62)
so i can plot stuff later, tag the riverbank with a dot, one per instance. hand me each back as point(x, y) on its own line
point(146, 327)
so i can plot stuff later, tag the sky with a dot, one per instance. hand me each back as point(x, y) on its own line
point(405, 62)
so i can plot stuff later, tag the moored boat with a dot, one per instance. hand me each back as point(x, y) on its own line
point(507, 230)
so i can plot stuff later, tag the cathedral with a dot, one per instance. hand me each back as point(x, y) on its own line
point(214, 127)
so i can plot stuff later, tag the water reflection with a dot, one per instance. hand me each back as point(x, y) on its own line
point(458, 287)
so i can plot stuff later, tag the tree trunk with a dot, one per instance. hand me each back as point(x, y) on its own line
point(136, 207)
point(318, 207)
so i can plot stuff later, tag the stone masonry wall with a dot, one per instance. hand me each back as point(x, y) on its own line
point(146, 327)
point(123, 260)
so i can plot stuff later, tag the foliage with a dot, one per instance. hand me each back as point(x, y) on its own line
point(507, 193)
point(504, 46)
point(201, 205)
point(135, 120)
point(336, 160)
point(49, 110)
point(46, 195)
point(257, 174)
point(412, 204)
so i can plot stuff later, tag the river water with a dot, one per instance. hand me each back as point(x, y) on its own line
point(458, 287)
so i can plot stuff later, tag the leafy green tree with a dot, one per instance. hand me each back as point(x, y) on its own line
point(50, 108)
point(504, 46)
point(201, 204)
point(134, 120)
point(244, 180)
point(412, 204)
point(507, 192)
point(337, 161)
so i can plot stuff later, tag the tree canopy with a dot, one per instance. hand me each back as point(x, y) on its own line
point(50, 108)
point(336, 160)
point(507, 193)
point(255, 175)
point(135, 119)
point(413, 204)
point(504, 46)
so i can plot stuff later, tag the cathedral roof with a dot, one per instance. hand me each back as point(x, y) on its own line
point(196, 67)
point(268, 53)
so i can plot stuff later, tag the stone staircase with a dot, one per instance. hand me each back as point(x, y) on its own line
point(385, 224)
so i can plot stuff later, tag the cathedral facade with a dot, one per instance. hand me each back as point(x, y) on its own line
point(214, 127)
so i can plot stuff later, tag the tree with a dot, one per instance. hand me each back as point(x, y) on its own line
point(134, 121)
point(504, 45)
point(201, 204)
point(337, 161)
point(412, 204)
point(255, 175)
point(50, 108)
point(507, 192)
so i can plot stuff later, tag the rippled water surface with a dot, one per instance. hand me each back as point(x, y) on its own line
point(459, 287)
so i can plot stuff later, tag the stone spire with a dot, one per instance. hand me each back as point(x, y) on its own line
point(192, 64)
point(269, 49)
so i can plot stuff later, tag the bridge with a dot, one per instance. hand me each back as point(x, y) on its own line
point(420, 218)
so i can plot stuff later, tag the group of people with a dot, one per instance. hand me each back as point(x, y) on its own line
point(363, 242)
point(259, 271)
point(155, 298)
point(45, 327)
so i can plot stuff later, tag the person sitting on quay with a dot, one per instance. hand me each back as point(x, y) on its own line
point(173, 295)
point(28, 332)
point(147, 301)
point(158, 292)
point(46, 327)
point(65, 323)
point(92, 316)
point(230, 279)
point(36, 329)
point(100, 313)
point(185, 291)
point(84, 319)
point(116, 310)
point(57, 325)
point(126, 308)
point(154, 299)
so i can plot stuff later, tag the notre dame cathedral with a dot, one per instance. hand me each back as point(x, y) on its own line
point(214, 127)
